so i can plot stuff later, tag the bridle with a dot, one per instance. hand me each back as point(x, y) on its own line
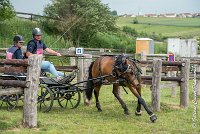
point(120, 69)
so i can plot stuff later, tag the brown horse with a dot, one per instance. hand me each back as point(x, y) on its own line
point(119, 71)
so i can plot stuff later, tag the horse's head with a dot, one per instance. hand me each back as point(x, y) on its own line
point(127, 69)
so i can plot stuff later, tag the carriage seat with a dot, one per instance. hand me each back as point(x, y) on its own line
point(55, 81)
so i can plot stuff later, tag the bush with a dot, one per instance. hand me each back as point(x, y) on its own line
point(135, 21)
point(119, 41)
point(129, 31)
point(160, 48)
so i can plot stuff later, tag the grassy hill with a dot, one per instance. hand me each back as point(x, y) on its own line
point(9, 28)
point(169, 27)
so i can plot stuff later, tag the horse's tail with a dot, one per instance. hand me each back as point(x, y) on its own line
point(90, 84)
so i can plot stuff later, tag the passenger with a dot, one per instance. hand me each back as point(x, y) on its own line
point(36, 46)
point(15, 52)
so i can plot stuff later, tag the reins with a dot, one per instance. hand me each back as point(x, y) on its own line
point(119, 69)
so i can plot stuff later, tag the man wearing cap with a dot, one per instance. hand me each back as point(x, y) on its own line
point(15, 51)
point(37, 46)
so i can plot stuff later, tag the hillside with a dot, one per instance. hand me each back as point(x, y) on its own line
point(169, 27)
point(9, 28)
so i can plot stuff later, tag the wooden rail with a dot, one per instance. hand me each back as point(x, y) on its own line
point(31, 16)
point(156, 78)
point(28, 87)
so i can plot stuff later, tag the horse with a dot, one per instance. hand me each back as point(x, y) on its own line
point(119, 71)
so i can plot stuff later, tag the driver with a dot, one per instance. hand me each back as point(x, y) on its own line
point(37, 46)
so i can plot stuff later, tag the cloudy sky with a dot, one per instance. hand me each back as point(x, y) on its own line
point(122, 6)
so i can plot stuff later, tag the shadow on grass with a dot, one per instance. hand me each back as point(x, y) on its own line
point(169, 107)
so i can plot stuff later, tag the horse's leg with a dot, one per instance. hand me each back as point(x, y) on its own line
point(143, 103)
point(116, 94)
point(138, 111)
point(96, 94)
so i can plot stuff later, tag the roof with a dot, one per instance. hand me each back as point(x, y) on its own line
point(143, 39)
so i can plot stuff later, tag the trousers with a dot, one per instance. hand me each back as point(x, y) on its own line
point(47, 66)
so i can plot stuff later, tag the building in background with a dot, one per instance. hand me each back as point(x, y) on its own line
point(145, 45)
point(182, 47)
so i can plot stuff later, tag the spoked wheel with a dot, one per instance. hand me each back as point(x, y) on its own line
point(69, 99)
point(45, 99)
point(10, 101)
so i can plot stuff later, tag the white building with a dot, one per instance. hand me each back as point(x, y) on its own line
point(182, 47)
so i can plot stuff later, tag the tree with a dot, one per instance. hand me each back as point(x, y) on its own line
point(78, 20)
point(130, 31)
point(114, 12)
point(6, 10)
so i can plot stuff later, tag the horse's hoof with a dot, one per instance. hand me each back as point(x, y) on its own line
point(87, 102)
point(153, 118)
point(99, 110)
point(126, 113)
point(138, 113)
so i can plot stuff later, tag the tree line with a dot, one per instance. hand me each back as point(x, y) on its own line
point(81, 23)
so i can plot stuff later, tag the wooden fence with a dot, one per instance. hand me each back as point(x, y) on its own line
point(28, 87)
point(32, 16)
point(82, 62)
point(157, 77)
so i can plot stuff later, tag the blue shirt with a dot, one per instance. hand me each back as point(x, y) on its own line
point(32, 46)
point(18, 54)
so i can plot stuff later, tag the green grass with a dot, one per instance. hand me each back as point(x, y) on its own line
point(84, 120)
point(170, 27)
point(9, 28)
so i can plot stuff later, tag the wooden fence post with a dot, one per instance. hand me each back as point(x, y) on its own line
point(143, 58)
point(87, 62)
point(173, 88)
point(30, 93)
point(184, 85)
point(156, 79)
point(80, 72)
point(173, 92)
point(72, 51)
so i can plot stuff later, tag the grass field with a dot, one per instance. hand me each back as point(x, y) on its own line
point(9, 28)
point(170, 27)
point(86, 120)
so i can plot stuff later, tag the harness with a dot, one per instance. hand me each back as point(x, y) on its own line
point(121, 67)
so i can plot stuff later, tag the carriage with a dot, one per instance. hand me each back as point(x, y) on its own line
point(67, 94)
point(119, 71)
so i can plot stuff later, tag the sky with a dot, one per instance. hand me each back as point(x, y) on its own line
point(121, 6)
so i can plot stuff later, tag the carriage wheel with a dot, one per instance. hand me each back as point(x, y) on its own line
point(45, 99)
point(69, 99)
point(10, 101)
